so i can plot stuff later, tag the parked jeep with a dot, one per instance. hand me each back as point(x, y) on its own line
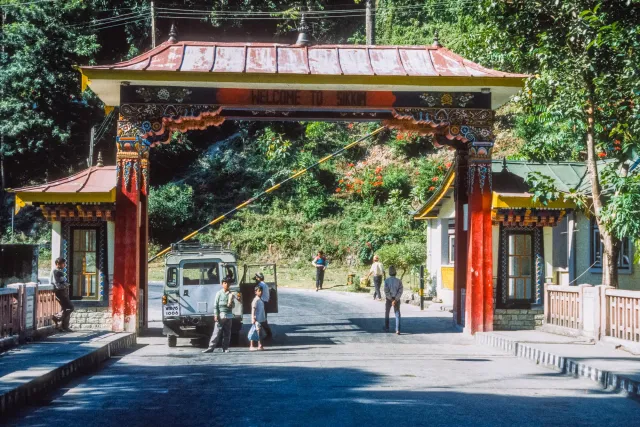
point(193, 276)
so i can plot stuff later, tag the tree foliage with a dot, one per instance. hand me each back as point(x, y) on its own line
point(584, 97)
point(402, 255)
point(42, 112)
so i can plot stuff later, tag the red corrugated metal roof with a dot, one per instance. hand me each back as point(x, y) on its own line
point(96, 179)
point(428, 61)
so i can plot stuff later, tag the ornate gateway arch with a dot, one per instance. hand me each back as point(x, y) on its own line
point(180, 86)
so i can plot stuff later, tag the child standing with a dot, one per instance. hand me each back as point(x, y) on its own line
point(257, 317)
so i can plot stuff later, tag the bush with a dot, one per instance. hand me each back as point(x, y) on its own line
point(402, 255)
point(170, 209)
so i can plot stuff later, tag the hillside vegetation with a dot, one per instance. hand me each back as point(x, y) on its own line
point(584, 101)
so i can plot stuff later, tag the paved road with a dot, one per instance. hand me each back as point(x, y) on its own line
point(331, 364)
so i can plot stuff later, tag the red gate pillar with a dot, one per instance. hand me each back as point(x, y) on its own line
point(460, 248)
point(126, 274)
point(479, 283)
point(143, 305)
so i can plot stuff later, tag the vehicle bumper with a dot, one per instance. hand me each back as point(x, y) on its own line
point(195, 326)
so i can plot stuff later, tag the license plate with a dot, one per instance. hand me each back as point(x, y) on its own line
point(171, 310)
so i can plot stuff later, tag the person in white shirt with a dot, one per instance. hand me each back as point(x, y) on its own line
point(258, 316)
point(377, 270)
point(393, 292)
point(259, 278)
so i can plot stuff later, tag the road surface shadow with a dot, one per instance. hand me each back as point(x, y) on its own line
point(221, 394)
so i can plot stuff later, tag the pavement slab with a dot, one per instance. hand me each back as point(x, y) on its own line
point(28, 371)
point(614, 368)
point(330, 363)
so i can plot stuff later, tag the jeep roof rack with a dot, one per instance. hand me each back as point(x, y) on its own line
point(196, 247)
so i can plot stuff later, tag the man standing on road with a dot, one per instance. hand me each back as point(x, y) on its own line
point(61, 289)
point(259, 278)
point(222, 318)
point(320, 263)
point(393, 293)
point(377, 270)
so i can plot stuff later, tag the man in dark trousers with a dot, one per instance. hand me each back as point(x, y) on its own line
point(223, 316)
point(393, 293)
point(60, 284)
point(259, 278)
point(320, 263)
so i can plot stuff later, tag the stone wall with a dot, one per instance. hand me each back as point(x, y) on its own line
point(516, 319)
point(98, 318)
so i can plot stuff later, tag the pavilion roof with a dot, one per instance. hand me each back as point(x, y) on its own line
point(270, 58)
point(96, 184)
point(269, 65)
point(510, 188)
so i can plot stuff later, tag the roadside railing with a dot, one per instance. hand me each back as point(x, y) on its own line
point(599, 312)
point(563, 306)
point(622, 314)
point(8, 312)
point(47, 306)
point(26, 309)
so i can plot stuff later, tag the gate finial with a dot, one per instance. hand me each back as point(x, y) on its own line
point(173, 34)
point(303, 30)
point(100, 162)
point(436, 39)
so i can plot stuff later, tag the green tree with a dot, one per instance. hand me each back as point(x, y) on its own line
point(45, 120)
point(170, 208)
point(402, 255)
point(585, 94)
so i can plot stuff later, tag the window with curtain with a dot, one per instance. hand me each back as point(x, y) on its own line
point(520, 268)
point(84, 268)
point(597, 249)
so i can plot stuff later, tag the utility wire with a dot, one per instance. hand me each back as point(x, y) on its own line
point(111, 20)
point(25, 4)
point(105, 128)
point(269, 190)
point(118, 25)
point(440, 6)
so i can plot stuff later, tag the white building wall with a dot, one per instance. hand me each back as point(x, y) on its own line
point(447, 212)
point(628, 281)
point(56, 241)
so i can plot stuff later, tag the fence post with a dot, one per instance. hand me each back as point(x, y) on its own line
point(19, 314)
point(422, 287)
point(546, 302)
point(605, 312)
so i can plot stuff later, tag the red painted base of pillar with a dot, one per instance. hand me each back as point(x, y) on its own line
point(479, 286)
point(126, 274)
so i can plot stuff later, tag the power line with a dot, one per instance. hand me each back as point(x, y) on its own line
point(25, 4)
point(123, 23)
point(309, 13)
point(110, 21)
point(270, 190)
point(116, 17)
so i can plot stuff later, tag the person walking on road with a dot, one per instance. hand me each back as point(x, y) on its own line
point(60, 284)
point(377, 270)
point(258, 316)
point(259, 278)
point(223, 317)
point(393, 293)
point(320, 263)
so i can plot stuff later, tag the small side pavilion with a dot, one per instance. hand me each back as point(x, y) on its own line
point(184, 85)
point(532, 244)
point(81, 209)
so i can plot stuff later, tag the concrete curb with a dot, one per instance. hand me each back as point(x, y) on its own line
point(568, 366)
point(26, 392)
point(15, 340)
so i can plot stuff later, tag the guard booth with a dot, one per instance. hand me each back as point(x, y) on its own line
point(18, 264)
point(183, 85)
point(81, 210)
